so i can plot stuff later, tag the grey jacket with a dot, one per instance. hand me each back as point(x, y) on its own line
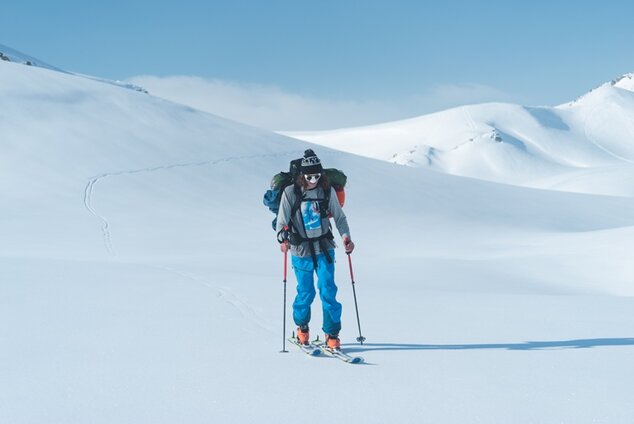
point(308, 221)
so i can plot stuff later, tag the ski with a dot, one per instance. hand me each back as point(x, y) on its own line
point(342, 356)
point(307, 349)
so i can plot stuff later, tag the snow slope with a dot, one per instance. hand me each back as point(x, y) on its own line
point(140, 280)
point(8, 54)
point(583, 146)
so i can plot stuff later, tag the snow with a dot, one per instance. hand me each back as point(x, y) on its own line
point(626, 82)
point(11, 55)
point(140, 280)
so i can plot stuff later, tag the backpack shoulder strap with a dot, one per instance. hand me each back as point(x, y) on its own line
point(299, 196)
point(296, 205)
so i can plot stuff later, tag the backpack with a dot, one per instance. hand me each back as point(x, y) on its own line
point(280, 181)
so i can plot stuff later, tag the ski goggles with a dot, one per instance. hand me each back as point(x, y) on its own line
point(312, 178)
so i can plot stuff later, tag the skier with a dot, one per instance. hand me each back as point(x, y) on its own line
point(303, 220)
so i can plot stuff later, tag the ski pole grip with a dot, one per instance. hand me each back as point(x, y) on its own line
point(350, 265)
point(285, 265)
point(282, 236)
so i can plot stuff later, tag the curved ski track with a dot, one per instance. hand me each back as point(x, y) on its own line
point(105, 224)
point(226, 294)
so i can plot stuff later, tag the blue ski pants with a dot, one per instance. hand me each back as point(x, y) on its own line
point(304, 271)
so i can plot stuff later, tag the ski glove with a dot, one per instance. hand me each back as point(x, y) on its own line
point(348, 245)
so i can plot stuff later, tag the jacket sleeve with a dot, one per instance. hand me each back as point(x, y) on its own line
point(341, 222)
point(283, 216)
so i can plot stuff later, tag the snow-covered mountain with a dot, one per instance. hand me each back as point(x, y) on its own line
point(140, 280)
point(8, 54)
point(583, 146)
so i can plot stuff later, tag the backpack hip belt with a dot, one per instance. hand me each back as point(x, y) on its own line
point(296, 239)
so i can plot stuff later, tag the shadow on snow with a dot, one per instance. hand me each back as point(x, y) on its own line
point(563, 344)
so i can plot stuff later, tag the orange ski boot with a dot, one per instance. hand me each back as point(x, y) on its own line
point(333, 342)
point(303, 335)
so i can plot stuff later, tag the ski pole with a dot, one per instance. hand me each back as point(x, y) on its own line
point(282, 238)
point(360, 339)
point(284, 316)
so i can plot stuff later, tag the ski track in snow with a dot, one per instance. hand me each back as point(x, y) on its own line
point(105, 228)
point(227, 295)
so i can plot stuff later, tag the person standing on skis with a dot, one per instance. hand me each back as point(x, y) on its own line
point(303, 220)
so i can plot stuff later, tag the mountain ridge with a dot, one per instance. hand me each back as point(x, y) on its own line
point(510, 143)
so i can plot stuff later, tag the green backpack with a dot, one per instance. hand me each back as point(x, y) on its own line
point(280, 181)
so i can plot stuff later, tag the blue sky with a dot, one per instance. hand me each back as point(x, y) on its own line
point(414, 56)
